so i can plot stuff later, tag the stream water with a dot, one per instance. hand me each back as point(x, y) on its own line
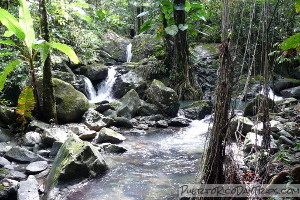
point(152, 168)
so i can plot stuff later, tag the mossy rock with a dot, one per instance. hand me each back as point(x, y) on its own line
point(130, 104)
point(76, 160)
point(70, 103)
point(96, 72)
point(198, 109)
point(255, 106)
point(285, 83)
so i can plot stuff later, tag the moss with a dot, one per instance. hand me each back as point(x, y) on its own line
point(294, 80)
point(202, 103)
point(158, 83)
point(100, 65)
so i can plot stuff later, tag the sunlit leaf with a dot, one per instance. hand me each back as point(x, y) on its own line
point(183, 27)
point(11, 24)
point(146, 26)
point(26, 102)
point(187, 6)
point(7, 42)
point(8, 34)
point(7, 70)
point(26, 23)
point(66, 50)
point(172, 30)
point(297, 5)
point(292, 42)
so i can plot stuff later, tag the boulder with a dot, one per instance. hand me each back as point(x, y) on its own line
point(36, 167)
point(32, 138)
point(165, 98)
point(9, 189)
point(22, 155)
point(55, 148)
point(68, 77)
point(162, 124)
point(96, 73)
point(130, 104)
point(5, 147)
point(253, 141)
point(253, 107)
point(179, 122)
point(122, 122)
point(5, 135)
point(292, 127)
point(76, 160)
point(241, 125)
point(55, 134)
point(3, 162)
point(112, 148)
point(12, 174)
point(198, 109)
point(285, 83)
point(70, 103)
point(37, 126)
point(94, 120)
point(144, 46)
point(291, 92)
point(29, 189)
point(284, 140)
point(104, 107)
point(7, 115)
point(108, 135)
point(147, 109)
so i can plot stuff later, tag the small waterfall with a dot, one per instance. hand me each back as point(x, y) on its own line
point(129, 53)
point(272, 95)
point(105, 87)
point(89, 88)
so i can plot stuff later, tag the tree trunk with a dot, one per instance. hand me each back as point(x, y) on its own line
point(212, 171)
point(49, 105)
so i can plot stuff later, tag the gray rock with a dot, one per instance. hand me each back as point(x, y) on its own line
point(275, 126)
point(3, 162)
point(82, 131)
point(37, 126)
point(122, 122)
point(36, 167)
point(5, 135)
point(28, 190)
point(9, 190)
point(291, 92)
point(292, 127)
point(240, 125)
point(136, 132)
point(44, 152)
point(284, 84)
point(55, 148)
point(5, 147)
point(143, 126)
point(253, 142)
point(165, 98)
point(285, 134)
point(147, 109)
point(12, 174)
point(68, 77)
point(96, 73)
point(76, 160)
point(198, 109)
point(285, 140)
point(112, 148)
point(287, 102)
point(108, 135)
point(130, 104)
point(7, 115)
point(162, 124)
point(179, 122)
point(32, 138)
point(22, 155)
point(104, 107)
point(252, 107)
point(55, 134)
point(110, 113)
point(94, 120)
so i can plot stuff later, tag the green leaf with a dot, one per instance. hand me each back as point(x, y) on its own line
point(66, 50)
point(292, 42)
point(183, 27)
point(7, 42)
point(297, 5)
point(9, 68)
point(172, 30)
point(5, 54)
point(11, 24)
point(26, 24)
point(26, 102)
point(8, 34)
point(146, 26)
point(44, 51)
point(187, 6)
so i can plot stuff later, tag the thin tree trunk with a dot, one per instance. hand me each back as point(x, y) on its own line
point(49, 105)
point(212, 171)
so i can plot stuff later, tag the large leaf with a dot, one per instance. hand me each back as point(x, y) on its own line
point(26, 23)
point(44, 51)
point(292, 42)
point(26, 102)
point(66, 50)
point(11, 24)
point(7, 42)
point(187, 6)
point(297, 5)
point(172, 30)
point(146, 26)
point(9, 68)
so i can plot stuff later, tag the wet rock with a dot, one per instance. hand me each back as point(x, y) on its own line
point(198, 110)
point(136, 132)
point(96, 73)
point(36, 167)
point(143, 126)
point(110, 113)
point(155, 118)
point(37, 126)
point(130, 104)
point(55, 148)
point(285, 134)
point(253, 142)
point(292, 127)
point(112, 148)
point(104, 107)
point(3, 162)
point(162, 124)
point(55, 134)
point(76, 160)
point(79, 129)
point(7, 115)
point(44, 152)
point(291, 92)
point(122, 122)
point(12, 174)
point(32, 138)
point(5, 135)
point(121, 87)
point(147, 109)
point(22, 155)
point(275, 126)
point(285, 140)
point(240, 125)
point(285, 83)
point(5, 147)
point(88, 136)
point(179, 122)
point(94, 120)
point(28, 190)
point(68, 77)
point(165, 98)
point(108, 135)
point(253, 107)
point(287, 102)
point(9, 190)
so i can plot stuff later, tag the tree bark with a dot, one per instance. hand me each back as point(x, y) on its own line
point(212, 170)
point(49, 105)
